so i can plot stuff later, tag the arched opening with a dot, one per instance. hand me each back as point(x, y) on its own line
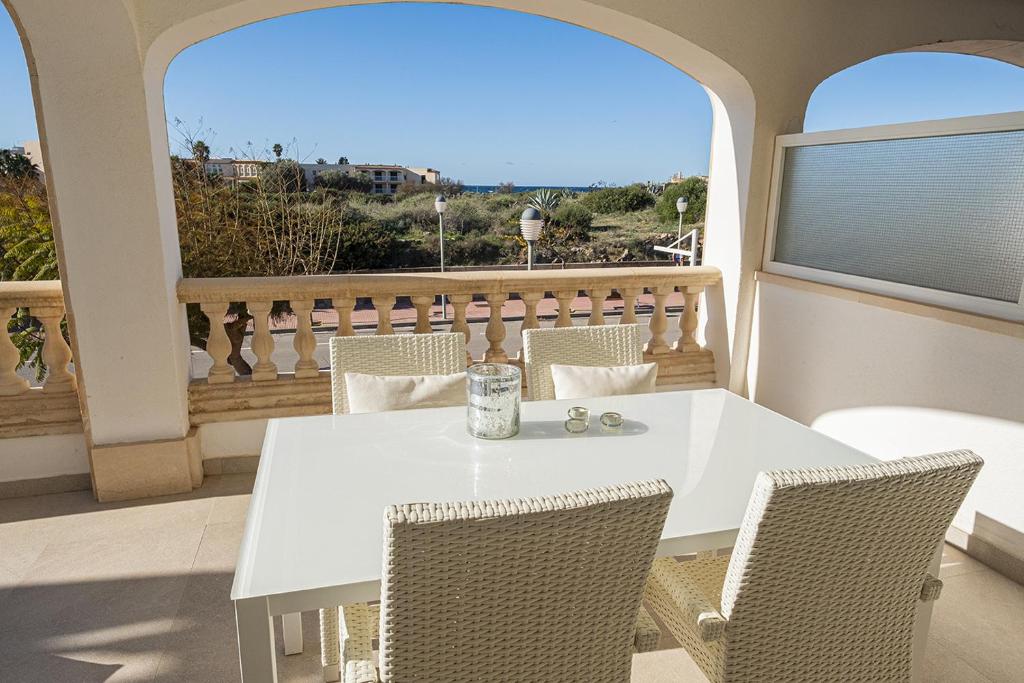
point(724, 204)
point(915, 86)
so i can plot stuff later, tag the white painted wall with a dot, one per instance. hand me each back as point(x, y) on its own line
point(36, 457)
point(895, 384)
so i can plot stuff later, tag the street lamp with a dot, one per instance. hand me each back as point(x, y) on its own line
point(681, 204)
point(440, 205)
point(530, 224)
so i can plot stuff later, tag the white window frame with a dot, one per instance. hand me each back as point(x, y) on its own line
point(991, 123)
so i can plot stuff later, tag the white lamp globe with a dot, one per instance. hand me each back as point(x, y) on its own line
point(530, 224)
point(681, 204)
point(440, 204)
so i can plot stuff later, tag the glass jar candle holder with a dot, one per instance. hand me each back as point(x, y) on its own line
point(493, 392)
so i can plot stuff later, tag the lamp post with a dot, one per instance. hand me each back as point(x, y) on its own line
point(681, 204)
point(440, 205)
point(530, 224)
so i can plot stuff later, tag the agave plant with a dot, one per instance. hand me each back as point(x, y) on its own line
point(545, 201)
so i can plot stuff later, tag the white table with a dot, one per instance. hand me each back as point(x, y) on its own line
point(313, 532)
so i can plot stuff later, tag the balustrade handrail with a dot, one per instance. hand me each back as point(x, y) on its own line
point(217, 290)
point(27, 293)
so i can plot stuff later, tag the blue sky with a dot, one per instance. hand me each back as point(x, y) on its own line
point(488, 96)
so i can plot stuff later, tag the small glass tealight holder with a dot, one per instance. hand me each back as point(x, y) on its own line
point(575, 425)
point(611, 421)
point(579, 420)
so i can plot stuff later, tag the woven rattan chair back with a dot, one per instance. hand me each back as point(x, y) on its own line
point(595, 346)
point(535, 589)
point(443, 353)
point(829, 565)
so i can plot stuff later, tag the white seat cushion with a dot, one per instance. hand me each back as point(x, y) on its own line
point(376, 393)
point(580, 381)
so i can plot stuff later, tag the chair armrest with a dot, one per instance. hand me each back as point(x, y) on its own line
point(676, 598)
point(360, 671)
point(931, 588)
point(647, 634)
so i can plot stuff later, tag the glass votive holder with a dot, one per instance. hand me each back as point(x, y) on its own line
point(580, 413)
point(611, 421)
point(492, 406)
point(575, 425)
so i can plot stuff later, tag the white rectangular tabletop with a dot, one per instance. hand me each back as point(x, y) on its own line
point(315, 519)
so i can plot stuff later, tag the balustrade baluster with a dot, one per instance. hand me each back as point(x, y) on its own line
point(495, 331)
point(262, 341)
point(459, 324)
point(688, 320)
point(343, 306)
point(629, 296)
point(659, 322)
point(10, 383)
point(384, 304)
point(597, 297)
point(423, 304)
point(218, 346)
point(305, 340)
point(56, 352)
point(564, 298)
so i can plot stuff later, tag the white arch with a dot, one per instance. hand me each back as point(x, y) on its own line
point(732, 101)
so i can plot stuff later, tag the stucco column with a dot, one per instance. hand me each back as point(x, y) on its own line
point(118, 253)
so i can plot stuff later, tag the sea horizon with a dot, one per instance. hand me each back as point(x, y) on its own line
point(489, 189)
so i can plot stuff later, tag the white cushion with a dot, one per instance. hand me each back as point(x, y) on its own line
point(376, 393)
point(580, 381)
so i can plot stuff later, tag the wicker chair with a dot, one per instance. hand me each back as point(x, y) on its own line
point(399, 354)
point(825, 577)
point(534, 589)
point(595, 346)
point(393, 354)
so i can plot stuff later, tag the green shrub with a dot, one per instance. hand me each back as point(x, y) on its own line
point(363, 245)
point(342, 182)
point(573, 221)
point(617, 199)
point(695, 189)
point(283, 176)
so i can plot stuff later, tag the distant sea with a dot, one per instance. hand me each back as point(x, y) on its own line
point(488, 189)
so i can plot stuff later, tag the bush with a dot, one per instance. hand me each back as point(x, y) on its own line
point(364, 245)
point(695, 189)
point(407, 190)
point(284, 175)
point(342, 182)
point(572, 221)
point(618, 199)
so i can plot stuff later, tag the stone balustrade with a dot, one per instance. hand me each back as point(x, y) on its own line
point(272, 391)
point(51, 408)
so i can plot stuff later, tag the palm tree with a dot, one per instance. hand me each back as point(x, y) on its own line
point(321, 161)
point(278, 150)
point(200, 151)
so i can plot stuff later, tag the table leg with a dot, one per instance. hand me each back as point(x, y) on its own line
point(255, 641)
point(291, 624)
point(923, 621)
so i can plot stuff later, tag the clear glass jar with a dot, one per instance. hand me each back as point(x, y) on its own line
point(493, 392)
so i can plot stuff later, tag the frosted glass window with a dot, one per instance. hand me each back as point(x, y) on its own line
point(944, 212)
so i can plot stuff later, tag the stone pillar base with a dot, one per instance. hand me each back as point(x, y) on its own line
point(147, 468)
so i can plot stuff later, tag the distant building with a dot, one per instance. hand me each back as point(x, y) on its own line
point(386, 178)
point(235, 170)
point(34, 151)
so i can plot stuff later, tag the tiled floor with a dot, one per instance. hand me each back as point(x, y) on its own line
point(139, 591)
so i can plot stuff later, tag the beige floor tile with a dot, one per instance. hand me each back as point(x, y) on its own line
point(942, 666)
point(665, 666)
point(956, 562)
point(980, 618)
point(231, 508)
